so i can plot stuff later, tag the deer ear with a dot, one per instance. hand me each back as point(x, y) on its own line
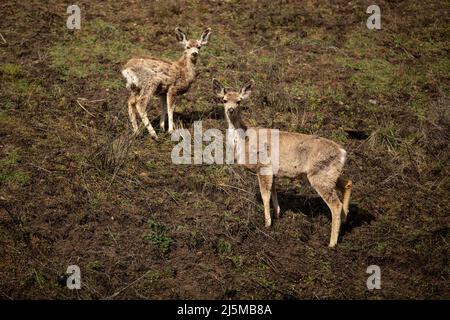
point(205, 36)
point(180, 35)
point(247, 89)
point(218, 88)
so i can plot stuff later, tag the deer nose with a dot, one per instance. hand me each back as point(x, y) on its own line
point(195, 53)
point(231, 110)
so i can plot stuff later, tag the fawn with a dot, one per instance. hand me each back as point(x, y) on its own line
point(149, 76)
point(320, 159)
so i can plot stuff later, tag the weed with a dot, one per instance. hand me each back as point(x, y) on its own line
point(95, 266)
point(223, 247)
point(157, 236)
point(386, 136)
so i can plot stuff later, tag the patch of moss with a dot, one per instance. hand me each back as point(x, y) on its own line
point(4, 116)
point(9, 171)
point(11, 70)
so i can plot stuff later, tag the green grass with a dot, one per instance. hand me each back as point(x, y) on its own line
point(387, 136)
point(95, 199)
point(101, 43)
point(113, 84)
point(153, 165)
point(441, 67)
point(37, 276)
point(17, 82)
point(419, 102)
point(155, 275)
point(375, 76)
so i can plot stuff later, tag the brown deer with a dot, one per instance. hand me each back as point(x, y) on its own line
point(149, 76)
point(320, 159)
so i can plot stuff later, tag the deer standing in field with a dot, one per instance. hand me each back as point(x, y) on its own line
point(320, 159)
point(149, 76)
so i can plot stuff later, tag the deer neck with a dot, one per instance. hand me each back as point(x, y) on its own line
point(188, 66)
point(236, 136)
point(235, 124)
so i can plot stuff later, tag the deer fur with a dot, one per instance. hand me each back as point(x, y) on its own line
point(150, 76)
point(320, 159)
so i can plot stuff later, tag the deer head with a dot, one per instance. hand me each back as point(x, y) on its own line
point(232, 99)
point(192, 47)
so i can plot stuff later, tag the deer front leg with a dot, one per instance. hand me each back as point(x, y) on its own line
point(162, 119)
point(170, 107)
point(265, 186)
point(276, 206)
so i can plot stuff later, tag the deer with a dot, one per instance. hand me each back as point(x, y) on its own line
point(150, 76)
point(319, 159)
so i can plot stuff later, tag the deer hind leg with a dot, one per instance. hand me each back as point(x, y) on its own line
point(265, 186)
point(162, 119)
point(345, 186)
point(276, 206)
point(141, 107)
point(132, 112)
point(328, 193)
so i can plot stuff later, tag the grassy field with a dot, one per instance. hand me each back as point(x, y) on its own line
point(76, 189)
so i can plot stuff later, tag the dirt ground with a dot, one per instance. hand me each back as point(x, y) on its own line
point(76, 189)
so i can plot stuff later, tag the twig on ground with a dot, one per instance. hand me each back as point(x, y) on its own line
point(173, 198)
point(258, 229)
point(112, 236)
point(126, 287)
point(85, 109)
point(40, 168)
point(226, 185)
point(91, 101)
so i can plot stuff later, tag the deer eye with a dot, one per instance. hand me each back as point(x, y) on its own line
point(238, 102)
point(225, 100)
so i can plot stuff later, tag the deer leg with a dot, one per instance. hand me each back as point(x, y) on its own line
point(265, 186)
point(132, 112)
point(328, 193)
point(141, 106)
point(345, 186)
point(170, 108)
point(275, 200)
point(162, 119)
